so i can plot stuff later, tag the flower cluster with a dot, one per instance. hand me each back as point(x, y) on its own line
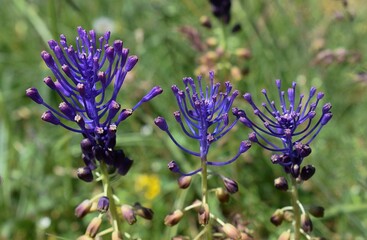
point(82, 77)
point(203, 116)
point(293, 123)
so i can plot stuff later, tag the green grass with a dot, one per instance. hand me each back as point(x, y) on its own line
point(37, 160)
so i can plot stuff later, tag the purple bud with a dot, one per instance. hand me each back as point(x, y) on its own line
point(306, 223)
point(173, 218)
point(48, 81)
point(174, 89)
point(67, 110)
point(131, 61)
point(81, 89)
point(143, 212)
point(278, 83)
point(320, 95)
point(85, 174)
point(83, 208)
point(34, 95)
point(307, 172)
point(248, 98)
point(326, 108)
point(48, 59)
point(154, 92)
point(48, 116)
point(252, 137)
point(161, 123)
point(125, 113)
point(117, 45)
point(172, 166)
point(184, 181)
point(103, 204)
point(245, 121)
point(230, 185)
point(128, 214)
point(177, 116)
point(281, 183)
point(123, 164)
point(326, 118)
point(110, 54)
point(244, 146)
point(317, 211)
point(86, 145)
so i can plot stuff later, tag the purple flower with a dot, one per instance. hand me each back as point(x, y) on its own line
point(289, 128)
point(203, 117)
point(83, 73)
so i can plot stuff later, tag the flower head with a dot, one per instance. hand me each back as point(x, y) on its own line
point(83, 73)
point(289, 128)
point(203, 116)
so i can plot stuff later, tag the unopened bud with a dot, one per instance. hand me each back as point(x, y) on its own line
point(285, 235)
point(230, 185)
point(184, 181)
point(85, 174)
point(306, 223)
point(281, 183)
point(103, 204)
point(231, 231)
point(203, 214)
point(307, 172)
point(205, 21)
point(173, 218)
point(143, 212)
point(222, 195)
point(93, 227)
point(317, 211)
point(277, 217)
point(116, 235)
point(128, 214)
point(83, 208)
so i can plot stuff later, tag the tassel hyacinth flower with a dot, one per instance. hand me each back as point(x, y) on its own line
point(203, 117)
point(287, 129)
point(83, 75)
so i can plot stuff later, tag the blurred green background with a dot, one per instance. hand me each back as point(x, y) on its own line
point(319, 43)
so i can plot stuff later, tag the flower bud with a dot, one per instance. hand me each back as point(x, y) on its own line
point(85, 174)
point(49, 117)
point(173, 218)
point(231, 231)
point(116, 235)
point(83, 208)
point(161, 123)
point(306, 223)
point(277, 217)
point(203, 214)
point(184, 181)
point(285, 235)
point(128, 214)
point(103, 204)
point(153, 93)
point(281, 183)
point(205, 22)
point(230, 185)
point(131, 61)
point(317, 211)
point(34, 95)
point(93, 227)
point(143, 212)
point(307, 172)
point(222, 195)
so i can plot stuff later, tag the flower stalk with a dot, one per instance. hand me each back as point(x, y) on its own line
point(296, 209)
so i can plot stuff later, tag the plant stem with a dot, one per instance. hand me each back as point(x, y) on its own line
point(296, 210)
point(204, 189)
point(108, 191)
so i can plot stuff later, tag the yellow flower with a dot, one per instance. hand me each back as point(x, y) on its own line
point(149, 184)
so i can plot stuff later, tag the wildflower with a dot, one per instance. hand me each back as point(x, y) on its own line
point(294, 124)
point(82, 76)
point(203, 116)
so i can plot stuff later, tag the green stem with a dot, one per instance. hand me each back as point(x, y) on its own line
point(108, 191)
point(204, 189)
point(296, 210)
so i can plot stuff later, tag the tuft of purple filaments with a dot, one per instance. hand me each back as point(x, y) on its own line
point(202, 116)
point(83, 75)
point(294, 122)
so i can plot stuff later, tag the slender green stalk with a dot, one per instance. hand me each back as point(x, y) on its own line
point(108, 191)
point(296, 210)
point(204, 189)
